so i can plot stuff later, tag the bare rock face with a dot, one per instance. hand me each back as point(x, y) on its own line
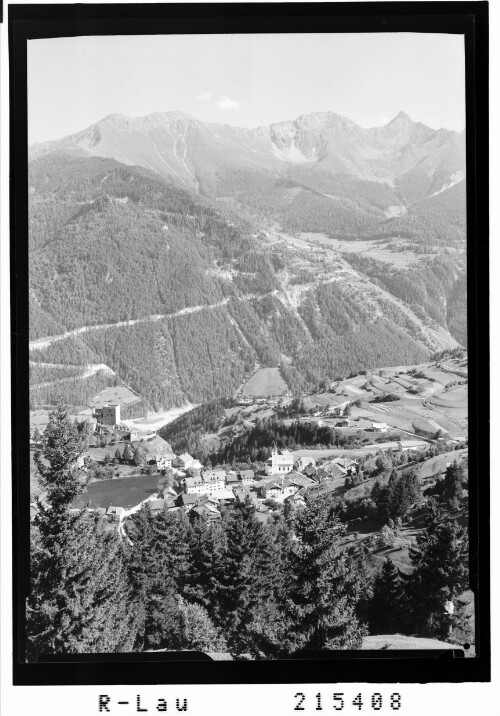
point(176, 145)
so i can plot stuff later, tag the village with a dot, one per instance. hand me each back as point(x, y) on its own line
point(183, 482)
point(397, 417)
point(129, 465)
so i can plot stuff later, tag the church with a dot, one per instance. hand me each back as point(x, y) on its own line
point(279, 463)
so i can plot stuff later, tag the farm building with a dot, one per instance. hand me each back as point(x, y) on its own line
point(380, 427)
point(344, 422)
point(412, 445)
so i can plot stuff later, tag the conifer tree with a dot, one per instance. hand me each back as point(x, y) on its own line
point(324, 587)
point(386, 610)
point(196, 630)
point(440, 559)
point(79, 599)
point(128, 453)
point(158, 563)
point(206, 546)
point(454, 482)
point(405, 492)
point(58, 471)
point(248, 576)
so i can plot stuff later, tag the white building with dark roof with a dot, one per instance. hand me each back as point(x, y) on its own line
point(210, 482)
point(278, 489)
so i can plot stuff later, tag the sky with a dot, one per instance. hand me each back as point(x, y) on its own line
point(245, 80)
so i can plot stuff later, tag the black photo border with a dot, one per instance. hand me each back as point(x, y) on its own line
point(34, 21)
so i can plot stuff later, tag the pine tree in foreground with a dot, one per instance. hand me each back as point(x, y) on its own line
point(59, 474)
point(153, 582)
point(79, 601)
point(206, 547)
point(79, 598)
point(248, 576)
point(324, 584)
point(196, 630)
point(440, 559)
point(386, 610)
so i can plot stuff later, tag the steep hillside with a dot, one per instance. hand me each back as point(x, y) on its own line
point(318, 172)
point(182, 298)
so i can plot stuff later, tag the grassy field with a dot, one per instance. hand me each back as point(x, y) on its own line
point(266, 381)
point(371, 249)
point(114, 394)
point(438, 464)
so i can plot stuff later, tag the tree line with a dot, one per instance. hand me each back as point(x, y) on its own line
point(255, 589)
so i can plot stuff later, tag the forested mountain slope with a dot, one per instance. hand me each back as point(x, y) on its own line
point(181, 297)
point(318, 172)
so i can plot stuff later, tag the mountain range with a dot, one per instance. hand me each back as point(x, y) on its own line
point(176, 145)
point(183, 255)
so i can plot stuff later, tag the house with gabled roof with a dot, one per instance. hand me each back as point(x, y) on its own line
point(296, 478)
point(277, 489)
point(209, 481)
point(194, 485)
point(333, 470)
point(157, 505)
point(310, 470)
point(232, 479)
point(346, 463)
point(247, 477)
point(206, 510)
point(187, 501)
point(184, 461)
